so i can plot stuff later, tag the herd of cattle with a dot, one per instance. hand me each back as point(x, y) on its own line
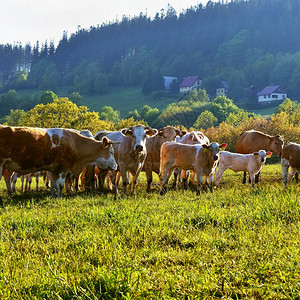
point(64, 154)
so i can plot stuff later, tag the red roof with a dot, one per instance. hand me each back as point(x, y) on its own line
point(189, 81)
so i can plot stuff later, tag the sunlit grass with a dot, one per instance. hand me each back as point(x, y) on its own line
point(237, 243)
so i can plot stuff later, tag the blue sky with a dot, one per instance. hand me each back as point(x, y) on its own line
point(31, 20)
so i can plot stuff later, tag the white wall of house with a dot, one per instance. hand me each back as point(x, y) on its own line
point(271, 97)
point(186, 89)
point(220, 92)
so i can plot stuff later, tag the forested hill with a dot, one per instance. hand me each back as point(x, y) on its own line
point(247, 43)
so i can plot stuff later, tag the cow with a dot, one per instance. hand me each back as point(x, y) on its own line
point(290, 162)
point(59, 151)
point(130, 154)
point(252, 141)
point(190, 138)
point(153, 145)
point(202, 159)
point(251, 163)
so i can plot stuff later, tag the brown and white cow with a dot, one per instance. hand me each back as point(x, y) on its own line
point(153, 145)
point(60, 151)
point(252, 141)
point(290, 162)
point(202, 159)
point(131, 153)
point(251, 163)
point(189, 138)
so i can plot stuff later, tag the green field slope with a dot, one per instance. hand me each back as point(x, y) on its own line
point(237, 243)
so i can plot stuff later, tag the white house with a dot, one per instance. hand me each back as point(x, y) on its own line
point(222, 89)
point(271, 93)
point(189, 83)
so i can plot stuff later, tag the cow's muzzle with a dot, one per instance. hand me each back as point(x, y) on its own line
point(139, 148)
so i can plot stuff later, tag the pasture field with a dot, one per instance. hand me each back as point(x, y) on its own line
point(234, 243)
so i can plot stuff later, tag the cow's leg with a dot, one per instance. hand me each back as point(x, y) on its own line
point(192, 180)
point(199, 182)
point(252, 179)
point(22, 180)
point(89, 178)
point(37, 177)
point(184, 178)
point(28, 182)
point(7, 174)
point(149, 179)
point(101, 179)
point(257, 177)
point(134, 179)
point(164, 178)
point(13, 180)
point(175, 174)
point(57, 183)
point(210, 181)
point(285, 168)
point(245, 177)
point(219, 174)
point(292, 172)
point(296, 177)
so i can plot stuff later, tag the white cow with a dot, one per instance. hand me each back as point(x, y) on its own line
point(251, 163)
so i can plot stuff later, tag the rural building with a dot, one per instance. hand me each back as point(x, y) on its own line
point(189, 83)
point(168, 81)
point(222, 89)
point(271, 93)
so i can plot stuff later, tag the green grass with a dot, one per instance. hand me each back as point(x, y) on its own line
point(236, 243)
point(125, 100)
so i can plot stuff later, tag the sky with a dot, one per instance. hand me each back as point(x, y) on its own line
point(28, 21)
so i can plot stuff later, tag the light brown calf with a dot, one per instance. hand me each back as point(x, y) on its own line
point(202, 159)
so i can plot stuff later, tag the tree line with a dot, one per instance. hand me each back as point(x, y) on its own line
point(249, 43)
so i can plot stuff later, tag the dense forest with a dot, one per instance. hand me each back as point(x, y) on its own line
point(249, 43)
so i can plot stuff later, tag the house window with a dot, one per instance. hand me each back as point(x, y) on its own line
point(265, 96)
point(274, 96)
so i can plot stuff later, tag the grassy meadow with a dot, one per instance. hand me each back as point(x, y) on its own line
point(234, 243)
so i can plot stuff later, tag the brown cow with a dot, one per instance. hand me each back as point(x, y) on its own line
point(26, 150)
point(130, 154)
point(290, 162)
point(202, 159)
point(252, 141)
point(153, 145)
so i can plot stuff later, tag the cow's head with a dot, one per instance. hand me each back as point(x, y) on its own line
point(168, 134)
point(276, 144)
point(214, 149)
point(106, 160)
point(139, 133)
point(262, 155)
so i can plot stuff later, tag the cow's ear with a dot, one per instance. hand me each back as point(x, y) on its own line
point(223, 147)
point(127, 131)
point(269, 154)
point(178, 132)
point(183, 132)
point(105, 141)
point(151, 131)
point(256, 154)
point(160, 132)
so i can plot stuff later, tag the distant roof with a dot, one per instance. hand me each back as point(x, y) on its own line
point(223, 84)
point(189, 81)
point(268, 90)
point(168, 80)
